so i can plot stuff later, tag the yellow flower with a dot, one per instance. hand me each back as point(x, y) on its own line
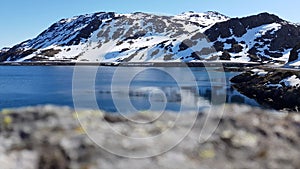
point(7, 120)
point(207, 154)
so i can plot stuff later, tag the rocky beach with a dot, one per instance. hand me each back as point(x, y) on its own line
point(48, 137)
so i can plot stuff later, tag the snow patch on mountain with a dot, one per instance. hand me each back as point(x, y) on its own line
point(296, 63)
point(292, 81)
point(204, 19)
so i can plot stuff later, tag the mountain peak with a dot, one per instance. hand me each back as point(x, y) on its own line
point(215, 13)
point(208, 13)
point(5, 49)
point(97, 14)
point(205, 19)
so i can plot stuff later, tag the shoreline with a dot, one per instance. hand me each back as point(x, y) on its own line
point(134, 64)
point(270, 87)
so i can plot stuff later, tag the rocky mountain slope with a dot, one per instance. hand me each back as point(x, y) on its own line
point(142, 37)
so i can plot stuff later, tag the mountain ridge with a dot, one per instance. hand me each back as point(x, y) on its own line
point(143, 37)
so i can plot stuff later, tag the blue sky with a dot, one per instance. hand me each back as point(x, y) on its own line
point(25, 19)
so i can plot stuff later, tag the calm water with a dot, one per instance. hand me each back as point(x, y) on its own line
point(38, 85)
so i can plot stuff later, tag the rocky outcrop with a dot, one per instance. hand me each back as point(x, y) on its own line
point(238, 27)
point(51, 137)
point(278, 89)
point(295, 53)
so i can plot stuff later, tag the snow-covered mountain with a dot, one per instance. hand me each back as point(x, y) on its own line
point(142, 37)
point(256, 38)
point(5, 49)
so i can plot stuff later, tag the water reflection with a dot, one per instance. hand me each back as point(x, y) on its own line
point(175, 97)
point(149, 85)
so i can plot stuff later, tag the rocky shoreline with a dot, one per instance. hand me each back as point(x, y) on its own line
point(48, 137)
point(221, 64)
point(278, 89)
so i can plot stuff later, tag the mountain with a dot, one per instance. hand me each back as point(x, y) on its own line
point(142, 37)
point(5, 49)
point(262, 37)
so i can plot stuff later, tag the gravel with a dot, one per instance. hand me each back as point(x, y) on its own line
point(48, 137)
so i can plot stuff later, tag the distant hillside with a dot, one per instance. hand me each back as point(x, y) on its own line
point(142, 37)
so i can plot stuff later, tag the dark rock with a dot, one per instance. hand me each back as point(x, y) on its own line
point(294, 55)
point(15, 53)
point(259, 20)
point(53, 157)
point(50, 52)
point(185, 44)
point(198, 36)
point(223, 30)
point(231, 41)
point(257, 87)
point(285, 38)
point(219, 46)
point(253, 51)
point(196, 56)
point(114, 119)
point(168, 57)
point(239, 26)
point(273, 54)
point(206, 51)
point(155, 52)
point(124, 50)
point(225, 56)
point(236, 48)
point(24, 135)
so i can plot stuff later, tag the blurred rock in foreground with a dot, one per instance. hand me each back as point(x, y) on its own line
point(51, 137)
